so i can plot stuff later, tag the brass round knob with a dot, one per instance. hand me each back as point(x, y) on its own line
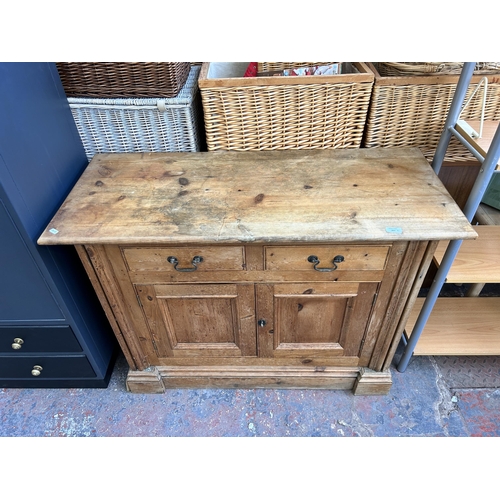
point(37, 369)
point(17, 343)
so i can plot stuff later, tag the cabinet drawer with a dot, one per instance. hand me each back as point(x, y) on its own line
point(298, 258)
point(29, 339)
point(213, 258)
point(15, 367)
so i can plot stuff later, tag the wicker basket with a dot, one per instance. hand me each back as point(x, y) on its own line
point(427, 68)
point(141, 125)
point(280, 112)
point(121, 79)
point(410, 111)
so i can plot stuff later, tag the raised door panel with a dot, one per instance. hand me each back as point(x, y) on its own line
point(313, 320)
point(193, 320)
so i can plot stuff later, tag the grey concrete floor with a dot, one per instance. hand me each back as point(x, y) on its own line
point(423, 405)
point(421, 402)
point(435, 396)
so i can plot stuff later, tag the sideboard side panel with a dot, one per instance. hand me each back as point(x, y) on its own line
point(101, 295)
point(401, 287)
point(417, 285)
point(113, 278)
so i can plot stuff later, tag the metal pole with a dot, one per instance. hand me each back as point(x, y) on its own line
point(430, 300)
point(453, 114)
point(453, 246)
point(479, 157)
point(484, 177)
point(470, 209)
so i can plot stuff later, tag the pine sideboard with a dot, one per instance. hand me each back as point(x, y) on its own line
point(260, 268)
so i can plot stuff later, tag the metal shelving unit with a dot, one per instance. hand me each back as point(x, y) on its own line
point(488, 163)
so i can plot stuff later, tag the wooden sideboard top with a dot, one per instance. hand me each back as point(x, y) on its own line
point(258, 196)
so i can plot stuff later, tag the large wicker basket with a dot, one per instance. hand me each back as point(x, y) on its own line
point(280, 112)
point(123, 79)
point(141, 125)
point(427, 68)
point(407, 111)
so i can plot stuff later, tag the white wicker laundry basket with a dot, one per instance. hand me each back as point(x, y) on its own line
point(141, 125)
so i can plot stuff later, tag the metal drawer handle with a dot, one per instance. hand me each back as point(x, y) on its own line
point(196, 260)
point(37, 369)
point(336, 260)
point(17, 343)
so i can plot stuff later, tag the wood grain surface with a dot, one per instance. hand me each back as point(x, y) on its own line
point(477, 261)
point(459, 326)
point(482, 144)
point(258, 196)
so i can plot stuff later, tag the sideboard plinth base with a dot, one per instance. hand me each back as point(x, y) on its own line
point(155, 380)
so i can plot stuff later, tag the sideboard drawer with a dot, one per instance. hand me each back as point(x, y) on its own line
point(30, 339)
point(304, 258)
point(203, 258)
point(15, 367)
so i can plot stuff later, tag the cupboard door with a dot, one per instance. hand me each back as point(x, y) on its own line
point(318, 319)
point(193, 320)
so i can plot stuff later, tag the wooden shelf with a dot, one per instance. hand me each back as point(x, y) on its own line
point(459, 326)
point(483, 143)
point(477, 261)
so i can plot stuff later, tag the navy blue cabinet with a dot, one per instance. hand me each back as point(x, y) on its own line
point(53, 331)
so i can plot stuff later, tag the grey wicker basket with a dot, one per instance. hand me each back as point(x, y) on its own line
point(141, 125)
